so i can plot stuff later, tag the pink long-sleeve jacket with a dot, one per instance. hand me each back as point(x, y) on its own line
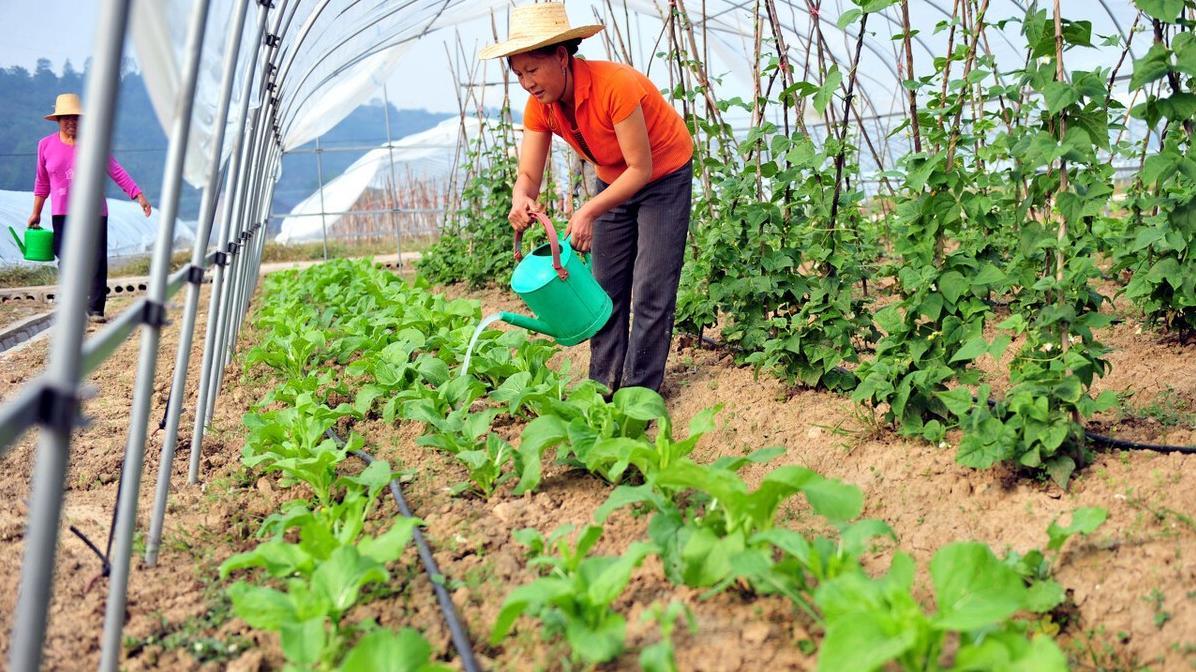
point(56, 170)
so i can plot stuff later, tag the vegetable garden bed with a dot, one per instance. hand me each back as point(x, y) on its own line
point(1126, 583)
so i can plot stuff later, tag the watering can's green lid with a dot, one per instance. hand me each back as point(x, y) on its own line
point(536, 271)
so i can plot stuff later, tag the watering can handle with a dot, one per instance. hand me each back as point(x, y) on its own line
point(552, 243)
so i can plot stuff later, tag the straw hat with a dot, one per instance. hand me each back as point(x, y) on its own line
point(535, 26)
point(67, 105)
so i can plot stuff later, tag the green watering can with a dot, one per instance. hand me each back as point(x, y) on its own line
point(38, 244)
point(554, 281)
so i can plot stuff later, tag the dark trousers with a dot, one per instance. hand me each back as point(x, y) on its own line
point(97, 293)
point(638, 249)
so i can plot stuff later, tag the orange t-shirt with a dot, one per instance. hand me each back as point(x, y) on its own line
point(605, 94)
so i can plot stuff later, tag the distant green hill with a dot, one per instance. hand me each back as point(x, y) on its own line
point(140, 144)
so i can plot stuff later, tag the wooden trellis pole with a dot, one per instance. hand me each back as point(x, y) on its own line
point(909, 72)
point(840, 158)
point(1060, 76)
point(967, 70)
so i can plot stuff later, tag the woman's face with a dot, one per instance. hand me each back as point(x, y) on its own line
point(68, 125)
point(541, 76)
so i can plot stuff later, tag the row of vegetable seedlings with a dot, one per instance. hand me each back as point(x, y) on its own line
point(708, 527)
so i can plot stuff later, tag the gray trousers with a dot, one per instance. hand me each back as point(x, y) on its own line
point(638, 249)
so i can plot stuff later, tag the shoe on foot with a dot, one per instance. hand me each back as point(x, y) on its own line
point(97, 318)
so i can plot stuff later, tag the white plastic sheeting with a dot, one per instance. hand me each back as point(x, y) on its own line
point(336, 53)
point(334, 56)
point(729, 27)
point(427, 155)
point(159, 30)
point(424, 155)
point(130, 232)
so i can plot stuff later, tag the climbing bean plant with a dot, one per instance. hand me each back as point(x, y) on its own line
point(1158, 248)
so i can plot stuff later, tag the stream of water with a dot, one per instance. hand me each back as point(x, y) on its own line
point(486, 321)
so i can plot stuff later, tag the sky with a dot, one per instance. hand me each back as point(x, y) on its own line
point(29, 34)
point(423, 80)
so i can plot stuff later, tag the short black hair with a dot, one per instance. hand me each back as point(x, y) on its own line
point(570, 46)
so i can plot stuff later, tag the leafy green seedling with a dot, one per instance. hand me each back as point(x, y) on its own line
point(386, 651)
point(486, 465)
point(661, 657)
point(1037, 568)
point(875, 623)
point(308, 613)
point(575, 598)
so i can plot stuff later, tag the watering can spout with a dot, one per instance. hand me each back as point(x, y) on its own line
point(529, 323)
point(20, 243)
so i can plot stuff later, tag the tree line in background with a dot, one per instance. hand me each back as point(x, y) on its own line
point(140, 144)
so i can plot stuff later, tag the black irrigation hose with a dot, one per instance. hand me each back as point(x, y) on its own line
point(166, 411)
point(107, 568)
point(459, 634)
point(120, 484)
point(1098, 439)
point(1114, 442)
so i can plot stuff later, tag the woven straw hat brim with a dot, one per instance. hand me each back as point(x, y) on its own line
point(65, 106)
point(521, 45)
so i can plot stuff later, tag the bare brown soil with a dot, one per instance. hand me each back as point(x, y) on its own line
point(1133, 583)
point(12, 312)
point(179, 594)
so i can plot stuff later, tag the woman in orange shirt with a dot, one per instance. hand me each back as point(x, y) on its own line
point(616, 119)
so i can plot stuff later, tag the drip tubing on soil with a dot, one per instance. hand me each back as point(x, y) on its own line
point(1099, 439)
point(458, 633)
point(107, 568)
point(1114, 442)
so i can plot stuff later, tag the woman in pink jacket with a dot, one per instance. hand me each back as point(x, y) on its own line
point(55, 171)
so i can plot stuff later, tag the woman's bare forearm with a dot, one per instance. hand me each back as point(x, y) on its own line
point(623, 188)
point(39, 202)
point(526, 185)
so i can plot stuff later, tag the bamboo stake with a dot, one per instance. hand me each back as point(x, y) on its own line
point(786, 82)
point(823, 48)
point(712, 108)
point(975, 92)
point(950, 49)
point(783, 64)
point(619, 35)
point(699, 71)
point(967, 70)
point(1172, 77)
point(505, 113)
point(1062, 127)
point(606, 43)
point(462, 138)
point(909, 67)
point(1124, 52)
point(757, 103)
point(805, 75)
point(842, 155)
point(705, 61)
point(665, 19)
point(1006, 116)
point(670, 30)
point(872, 150)
point(947, 65)
point(627, 28)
